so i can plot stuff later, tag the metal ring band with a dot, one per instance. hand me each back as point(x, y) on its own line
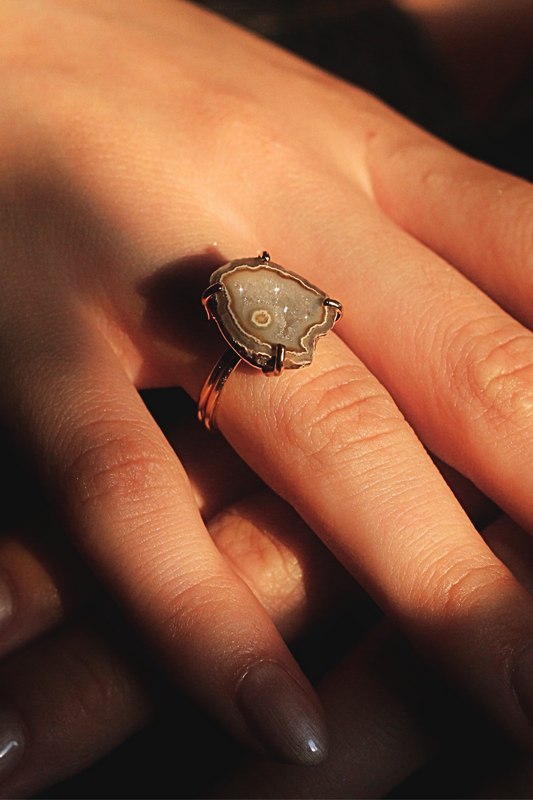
point(216, 381)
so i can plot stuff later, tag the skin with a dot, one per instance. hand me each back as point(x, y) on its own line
point(118, 197)
point(77, 693)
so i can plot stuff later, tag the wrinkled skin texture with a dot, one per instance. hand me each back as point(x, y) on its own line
point(146, 143)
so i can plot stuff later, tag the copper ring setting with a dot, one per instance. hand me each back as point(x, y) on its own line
point(270, 318)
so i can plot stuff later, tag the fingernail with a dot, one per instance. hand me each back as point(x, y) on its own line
point(281, 715)
point(11, 743)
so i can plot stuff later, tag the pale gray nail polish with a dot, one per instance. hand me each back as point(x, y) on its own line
point(281, 715)
point(11, 743)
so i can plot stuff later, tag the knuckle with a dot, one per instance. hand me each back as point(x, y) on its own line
point(236, 118)
point(495, 368)
point(108, 459)
point(463, 585)
point(186, 608)
point(268, 566)
point(341, 414)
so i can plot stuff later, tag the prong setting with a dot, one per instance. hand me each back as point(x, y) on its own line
point(208, 295)
point(336, 305)
point(279, 359)
point(270, 317)
point(279, 362)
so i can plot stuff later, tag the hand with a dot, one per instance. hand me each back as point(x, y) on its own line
point(70, 696)
point(132, 141)
point(76, 694)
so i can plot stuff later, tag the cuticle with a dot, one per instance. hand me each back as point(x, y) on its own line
point(275, 663)
point(249, 668)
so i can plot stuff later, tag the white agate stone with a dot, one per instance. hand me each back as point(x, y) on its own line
point(261, 305)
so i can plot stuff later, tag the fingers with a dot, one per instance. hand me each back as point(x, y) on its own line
point(480, 510)
point(65, 703)
point(380, 734)
point(68, 701)
point(41, 584)
point(374, 700)
point(294, 577)
point(387, 718)
point(217, 475)
point(514, 547)
point(75, 698)
point(474, 216)
point(352, 464)
point(348, 466)
point(121, 492)
point(470, 364)
point(102, 701)
point(289, 570)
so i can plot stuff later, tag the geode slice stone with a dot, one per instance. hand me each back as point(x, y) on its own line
point(259, 306)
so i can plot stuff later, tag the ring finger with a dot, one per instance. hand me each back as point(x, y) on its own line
point(331, 441)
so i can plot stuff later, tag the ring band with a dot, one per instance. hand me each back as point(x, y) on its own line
point(214, 385)
point(269, 316)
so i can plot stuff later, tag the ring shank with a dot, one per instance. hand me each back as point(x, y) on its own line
point(210, 393)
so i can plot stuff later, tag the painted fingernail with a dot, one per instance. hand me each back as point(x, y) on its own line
point(11, 743)
point(281, 715)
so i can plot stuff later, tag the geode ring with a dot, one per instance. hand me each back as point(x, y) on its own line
point(270, 317)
